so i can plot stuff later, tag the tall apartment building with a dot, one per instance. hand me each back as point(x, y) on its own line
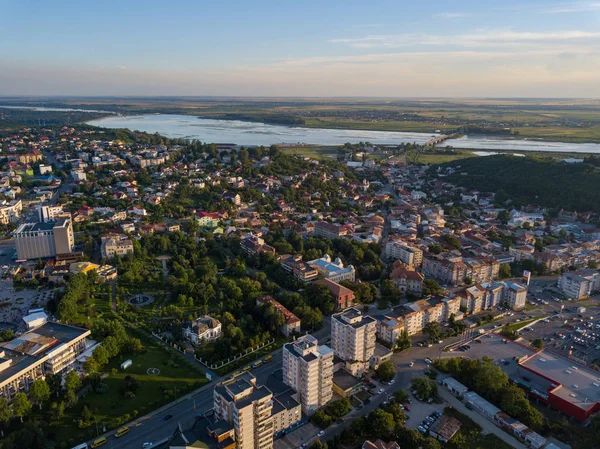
point(456, 270)
point(353, 339)
point(248, 409)
point(38, 240)
point(409, 255)
point(308, 369)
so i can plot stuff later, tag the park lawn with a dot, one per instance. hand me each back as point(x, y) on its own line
point(111, 409)
point(314, 152)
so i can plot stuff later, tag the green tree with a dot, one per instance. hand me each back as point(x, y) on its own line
point(72, 381)
point(403, 341)
point(21, 406)
point(5, 413)
point(538, 343)
point(425, 388)
point(400, 396)
point(321, 419)
point(39, 392)
point(381, 422)
point(385, 371)
point(432, 330)
point(505, 271)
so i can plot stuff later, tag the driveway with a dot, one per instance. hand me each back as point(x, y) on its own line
point(486, 426)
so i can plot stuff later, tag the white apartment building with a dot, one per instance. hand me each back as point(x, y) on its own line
point(38, 240)
point(353, 339)
point(409, 255)
point(116, 245)
point(51, 213)
point(308, 369)
point(10, 212)
point(491, 294)
point(248, 408)
point(579, 284)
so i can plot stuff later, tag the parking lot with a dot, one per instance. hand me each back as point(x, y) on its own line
point(14, 305)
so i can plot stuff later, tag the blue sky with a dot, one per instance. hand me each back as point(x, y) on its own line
point(305, 48)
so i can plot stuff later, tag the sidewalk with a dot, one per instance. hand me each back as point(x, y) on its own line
point(486, 425)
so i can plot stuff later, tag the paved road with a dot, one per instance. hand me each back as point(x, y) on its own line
point(154, 427)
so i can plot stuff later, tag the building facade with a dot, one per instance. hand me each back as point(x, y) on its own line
point(39, 240)
point(308, 369)
point(353, 339)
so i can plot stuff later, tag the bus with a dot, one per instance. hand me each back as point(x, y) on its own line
point(81, 446)
point(99, 442)
point(247, 368)
point(122, 431)
point(268, 358)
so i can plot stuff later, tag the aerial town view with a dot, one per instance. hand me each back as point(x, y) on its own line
point(329, 225)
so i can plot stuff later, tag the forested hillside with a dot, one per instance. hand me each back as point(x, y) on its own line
point(532, 180)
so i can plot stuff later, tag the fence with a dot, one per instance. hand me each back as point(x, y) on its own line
point(223, 363)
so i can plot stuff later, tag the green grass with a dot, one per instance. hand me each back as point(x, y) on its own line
point(314, 152)
point(250, 358)
point(521, 324)
point(432, 158)
point(111, 409)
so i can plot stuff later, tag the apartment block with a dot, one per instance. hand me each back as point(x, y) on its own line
point(487, 295)
point(579, 284)
point(410, 255)
point(331, 231)
point(293, 263)
point(308, 369)
point(248, 409)
point(39, 240)
point(11, 212)
point(353, 339)
point(291, 323)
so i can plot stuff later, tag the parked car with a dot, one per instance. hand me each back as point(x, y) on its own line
point(321, 433)
point(411, 364)
point(392, 382)
point(380, 391)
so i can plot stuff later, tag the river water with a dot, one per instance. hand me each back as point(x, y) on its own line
point(252, 133)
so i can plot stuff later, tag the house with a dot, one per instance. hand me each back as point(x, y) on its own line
point(444, 428)
point(234, 198)
point(344, 297)
point(207, 219)
point(292, 263)
point(204, 328)
point(254, 245)
point(116, 245)
point(379, 444)
point(291, 323)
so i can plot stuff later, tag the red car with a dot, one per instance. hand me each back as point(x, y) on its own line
point(407, 408)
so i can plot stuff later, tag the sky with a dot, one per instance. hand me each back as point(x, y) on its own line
point(400, 48)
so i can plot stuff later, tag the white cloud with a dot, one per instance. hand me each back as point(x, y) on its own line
point(573, 7)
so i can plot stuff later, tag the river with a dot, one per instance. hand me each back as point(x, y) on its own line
point(252, 133)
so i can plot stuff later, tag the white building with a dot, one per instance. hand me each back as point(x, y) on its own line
point(409, 255)
point(308, 369)
point(579, 284)
point(248, 409)
point(204, 328)
point(334, 271)
point(353, 339)
point(37, 240)
point(10, 212)
point(116, 245)
point(51, 213)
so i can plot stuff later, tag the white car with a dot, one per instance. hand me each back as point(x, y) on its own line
point(428, 360)
point(147, 445)
point(321, 433)
point(380, 391)
point(411, 364)
point(392, 382)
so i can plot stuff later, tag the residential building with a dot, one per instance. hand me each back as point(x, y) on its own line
point(488, 295)
point(254, 245)
point(47, 349)
point(388, 329)
point(407, 279)
point(379, 444)
point(207, 219)
point(204, 328)
point(579, 284)
point(353, 339)
point(39, 240)
point(291, 323)
point(116, 245)
point(342, 296)
point(331, 231)
point(11, 212)
point(308, 369)
point(444, 428)
point(411, 256)
point(248, 408)
point(51, 213)
point(334, 271)
point(293, 263)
